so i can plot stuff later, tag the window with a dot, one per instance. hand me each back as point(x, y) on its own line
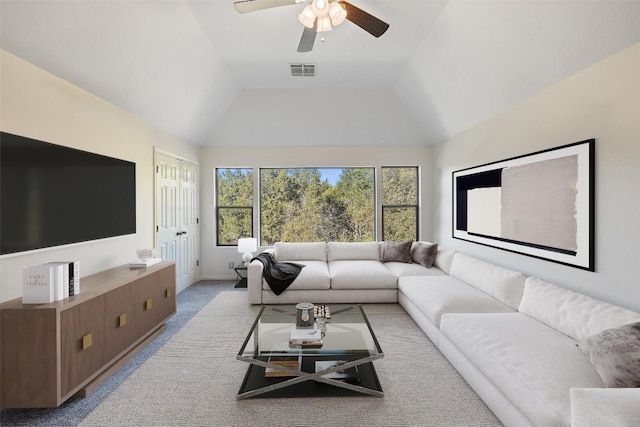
point(317, 204)
point(399, 203)
point(234, 205)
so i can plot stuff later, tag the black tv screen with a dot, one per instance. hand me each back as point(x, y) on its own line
point(52, 195)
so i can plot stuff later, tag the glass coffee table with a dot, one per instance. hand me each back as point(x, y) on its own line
point(340, 365)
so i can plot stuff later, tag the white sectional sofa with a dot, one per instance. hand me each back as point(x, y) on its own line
point(336, 272)
point(526, 346)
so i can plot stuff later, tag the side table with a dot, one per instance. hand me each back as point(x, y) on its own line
point(241, 281)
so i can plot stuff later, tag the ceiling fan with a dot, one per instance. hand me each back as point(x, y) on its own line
point(318, 16)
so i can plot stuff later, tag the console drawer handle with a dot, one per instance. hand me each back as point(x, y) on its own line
point(87, 341)
point(122, 319)
point(148, 304)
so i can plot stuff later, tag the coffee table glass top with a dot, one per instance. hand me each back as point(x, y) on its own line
point(347, 333)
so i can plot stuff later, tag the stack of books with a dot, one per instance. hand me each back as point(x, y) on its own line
point(50, 282)
point(305, 338)
point(289, 362)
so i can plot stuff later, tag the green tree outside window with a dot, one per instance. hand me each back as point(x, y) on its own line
point(400, 203)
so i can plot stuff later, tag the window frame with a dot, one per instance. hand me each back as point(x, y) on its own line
point(415, 206)
point(240, 207)
point(256, 203)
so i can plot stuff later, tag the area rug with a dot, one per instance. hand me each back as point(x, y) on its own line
point(194, 378)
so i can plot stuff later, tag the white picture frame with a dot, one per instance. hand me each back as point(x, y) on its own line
point(539, 204)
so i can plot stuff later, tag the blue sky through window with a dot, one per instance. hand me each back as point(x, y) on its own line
point(330, 174)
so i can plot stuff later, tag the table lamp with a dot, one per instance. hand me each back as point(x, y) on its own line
point(246, 246)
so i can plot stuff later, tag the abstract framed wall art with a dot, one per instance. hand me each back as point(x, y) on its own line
point(540, 204)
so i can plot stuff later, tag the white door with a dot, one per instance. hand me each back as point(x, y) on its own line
point(177, 216)
point(189, 221)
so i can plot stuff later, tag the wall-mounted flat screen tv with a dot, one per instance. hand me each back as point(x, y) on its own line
point(52, 195)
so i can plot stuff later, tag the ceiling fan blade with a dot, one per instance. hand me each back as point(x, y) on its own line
point(364, 20)
point(245, 6)
point(307, 39)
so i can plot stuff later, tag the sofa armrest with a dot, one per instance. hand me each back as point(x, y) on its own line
point(594, 407)
point(254, 282)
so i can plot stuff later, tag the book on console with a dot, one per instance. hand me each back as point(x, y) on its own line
point(143, 264)
point(61, 280)
point(38, 284)
point(72, 277)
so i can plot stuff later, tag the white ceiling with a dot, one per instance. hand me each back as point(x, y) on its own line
point(198, 68)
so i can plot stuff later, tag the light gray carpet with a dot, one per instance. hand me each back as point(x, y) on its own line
point(194, 378)
point(189, 302)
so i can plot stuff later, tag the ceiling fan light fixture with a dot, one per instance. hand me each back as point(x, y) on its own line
point(337, 13)
point(307, 17)
point(320, 7)
point(323, 24)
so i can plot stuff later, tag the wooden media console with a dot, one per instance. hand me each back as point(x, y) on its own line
point(51, 352)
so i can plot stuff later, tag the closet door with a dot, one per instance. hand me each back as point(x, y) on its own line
point(189, 219)
point(177, 217)
point(167, 208)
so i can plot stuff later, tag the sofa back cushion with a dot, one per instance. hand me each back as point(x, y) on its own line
point(444, 258)
point(311, 251)
point(575, 315)
point(341, 251)
point(504, 285)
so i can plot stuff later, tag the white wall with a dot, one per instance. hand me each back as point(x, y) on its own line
point(602, 102)
point(316, 117)
point(214, 260)
point(39, 105)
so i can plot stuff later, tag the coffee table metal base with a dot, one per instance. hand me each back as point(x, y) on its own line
point(308, 382)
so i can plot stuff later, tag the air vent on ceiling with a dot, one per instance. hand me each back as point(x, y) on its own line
point(303, 70)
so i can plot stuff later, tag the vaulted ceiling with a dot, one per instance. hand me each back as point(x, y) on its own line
point(204, 72)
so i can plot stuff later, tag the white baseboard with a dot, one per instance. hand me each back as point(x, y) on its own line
point(218, 277)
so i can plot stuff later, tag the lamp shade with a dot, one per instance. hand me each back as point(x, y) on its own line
point(323, 24)
point(337, 13)
point(247, 244)
point(307, 17)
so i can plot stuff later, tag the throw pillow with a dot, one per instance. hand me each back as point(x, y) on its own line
point(396, 251)
point(424, 254)
point(616, 355)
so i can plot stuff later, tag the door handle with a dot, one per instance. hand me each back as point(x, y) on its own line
point(180, 233)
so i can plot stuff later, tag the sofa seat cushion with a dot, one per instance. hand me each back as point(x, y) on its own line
point(436, 296)
point(401, 269)
point(597, 407)
point(315, 275)
point(363, 274)
point(532, 364)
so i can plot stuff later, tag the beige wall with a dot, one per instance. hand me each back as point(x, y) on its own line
point(214, 260)
point(39, 105)
point(602, 102)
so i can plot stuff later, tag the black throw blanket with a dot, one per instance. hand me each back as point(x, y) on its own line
point(279, 275)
